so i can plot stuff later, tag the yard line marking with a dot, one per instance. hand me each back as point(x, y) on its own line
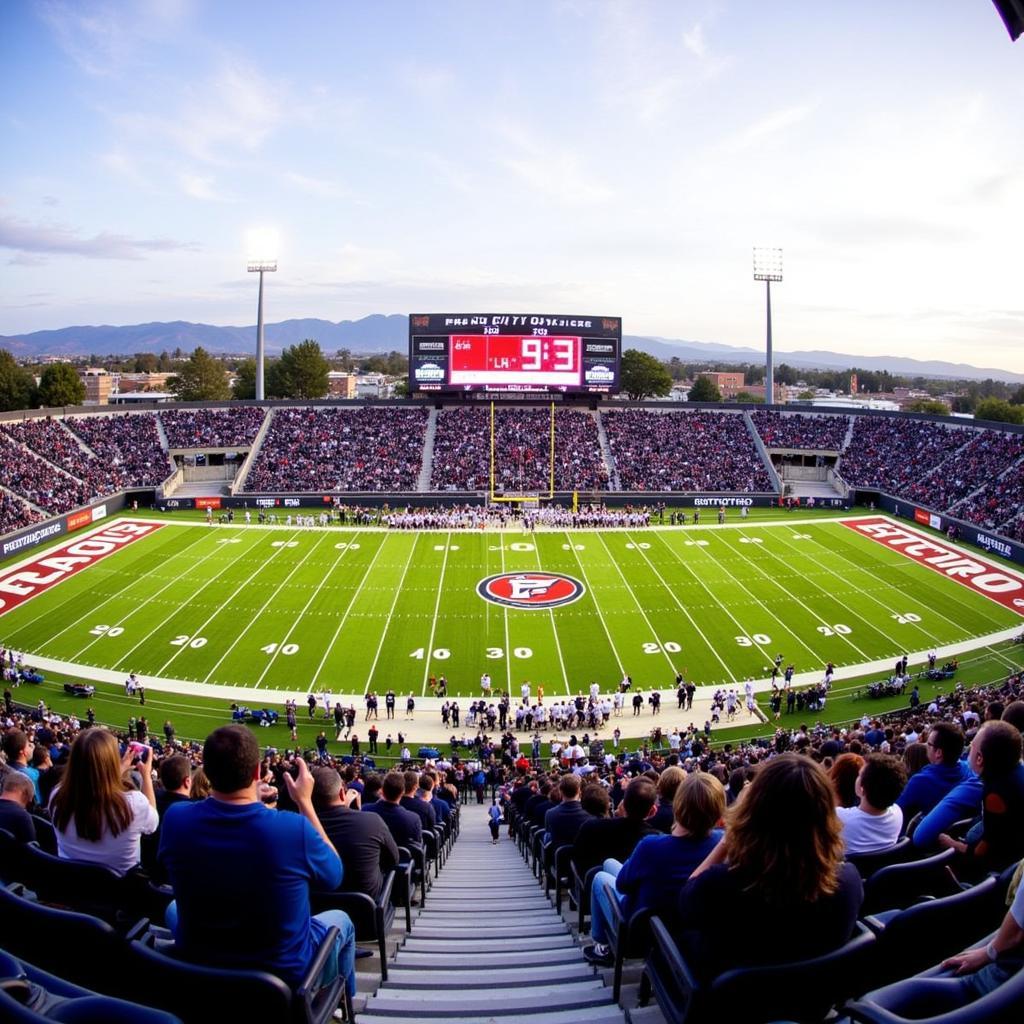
point(867, 595)
point(554, 628)
point(904, 561)
point(295, 568)
point(710, 646)
point(600, 614)
point(344, 618)
point(182, 604)
point(753, 563)
point(291, 629)
point(733, 579)
point(54, 612)
point(433, 621)
point(636, 600)
point(391, 611)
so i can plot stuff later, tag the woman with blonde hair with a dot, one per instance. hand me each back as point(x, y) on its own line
point(99, 816)
point(781, 864)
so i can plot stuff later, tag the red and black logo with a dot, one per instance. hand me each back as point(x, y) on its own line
point(530, 589)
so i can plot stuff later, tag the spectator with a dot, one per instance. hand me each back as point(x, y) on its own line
point(236, 427)
point(128, 443)
point(97, 815)
point(781, 861)
point(616, 837)
point(875, 823)
point(16, 796)
point(801, 430)
point(660, 865)
point(562, 822)
point(406, 827)
point(363, 841)
point(242, 873)
point(925, 789)
point(843, 774)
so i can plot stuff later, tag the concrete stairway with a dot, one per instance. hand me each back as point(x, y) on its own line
point(489, 946)
point(423, 481)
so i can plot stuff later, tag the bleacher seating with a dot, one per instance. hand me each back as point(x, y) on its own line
point(212, 428)
point(129, 442)
point(801, 430)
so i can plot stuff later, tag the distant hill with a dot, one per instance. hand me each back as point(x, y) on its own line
point(379, 333)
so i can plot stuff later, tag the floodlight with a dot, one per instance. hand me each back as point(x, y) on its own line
point(262, 244)
point(768, 268)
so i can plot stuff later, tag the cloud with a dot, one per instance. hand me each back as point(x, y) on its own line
point(50, 201)
point(62, 241)
point(24, 259)
point(316, 186)
point(695, 42)
point(199, 187)
point(771, 124)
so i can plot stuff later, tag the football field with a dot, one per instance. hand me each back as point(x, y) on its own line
point(346, 611)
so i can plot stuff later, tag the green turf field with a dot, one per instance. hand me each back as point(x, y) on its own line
point(349, 610)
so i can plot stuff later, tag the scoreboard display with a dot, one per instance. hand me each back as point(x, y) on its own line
point(514, 352)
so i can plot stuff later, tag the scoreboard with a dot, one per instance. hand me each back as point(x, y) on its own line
point(452, 352)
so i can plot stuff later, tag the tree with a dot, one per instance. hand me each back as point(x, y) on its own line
point(999, 411)
point(806, 395)
point(704, 390)
point(245, 381)
point(301, 372)
point(1017, 398)
point(929, 405)
point(61, 385)
point(146, 362)
point(200, 379)
point(642, 376)
point(963, 403)
point(17, 385)
point(745, 397)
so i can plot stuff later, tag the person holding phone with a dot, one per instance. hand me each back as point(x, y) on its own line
point(99, 816)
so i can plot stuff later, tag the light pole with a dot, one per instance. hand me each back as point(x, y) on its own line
point(260, 267)
point(768, 268)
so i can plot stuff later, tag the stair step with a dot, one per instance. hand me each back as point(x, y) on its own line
point(458, 945)
point(529, 930)
point(432, 962)
point(590, 1015)
point(458, 977)
point(574, 995)
point(451, 905)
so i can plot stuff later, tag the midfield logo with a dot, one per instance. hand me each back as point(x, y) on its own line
point(530, 589)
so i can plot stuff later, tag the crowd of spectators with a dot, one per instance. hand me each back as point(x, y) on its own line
point(39, 482)
point(212, 428)
point(894, 454)
point(684, 451)
point(14, 513)
point(999, 500)
point(801, 430)
point(522, 450)
point(330, 449)
point(128, 443)
point(50, 439)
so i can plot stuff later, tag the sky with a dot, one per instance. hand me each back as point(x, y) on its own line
point(549, 156)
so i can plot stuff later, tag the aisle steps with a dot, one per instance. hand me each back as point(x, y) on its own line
point(489, 947)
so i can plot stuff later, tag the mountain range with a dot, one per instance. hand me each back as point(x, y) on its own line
point(380, 333)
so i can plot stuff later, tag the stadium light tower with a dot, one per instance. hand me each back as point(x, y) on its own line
point(768, 268)
point(262, 246)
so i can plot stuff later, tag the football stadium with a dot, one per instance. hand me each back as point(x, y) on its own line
point(535, 672)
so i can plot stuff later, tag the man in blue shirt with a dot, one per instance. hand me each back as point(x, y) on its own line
point(242, 873)
point(944, 771)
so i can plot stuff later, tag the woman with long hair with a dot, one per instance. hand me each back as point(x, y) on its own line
point(780, 865)
point(843, 773)
point(97, 814)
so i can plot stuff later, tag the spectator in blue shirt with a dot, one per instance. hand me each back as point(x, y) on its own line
point(944, 771)
point(660, 865)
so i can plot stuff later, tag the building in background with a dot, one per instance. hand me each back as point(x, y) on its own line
point(98, 385)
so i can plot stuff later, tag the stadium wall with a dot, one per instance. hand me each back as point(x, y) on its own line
point(42, 533)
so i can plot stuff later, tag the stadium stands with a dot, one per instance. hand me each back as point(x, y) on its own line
point(14, 513)
point(127, 442)
point(801, 430)
point(212, 428)
point(39, 482)
point(462, 451)
point(684, 451)
point(332, 449)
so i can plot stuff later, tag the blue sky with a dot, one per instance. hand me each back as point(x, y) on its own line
point(574, 156)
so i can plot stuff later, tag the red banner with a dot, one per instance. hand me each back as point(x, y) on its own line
point(972, 571)
point(79, 519)
point(22, 582)
point(921, 516)
point(207, 502)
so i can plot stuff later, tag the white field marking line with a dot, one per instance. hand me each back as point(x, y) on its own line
point(433, 621)
point(266, 604)
point(391, 611)
point(220, 607)
point(753, 562)
point(291, 629)
point(636, 600)
point(905, 561)
point(344, 618)
point(593, 597)
point(182, 604)
point(508, 649)
point(1001, 657)
point(733, 579)
point(96, 608)
point(874, 600)
point(554, 628)
point(679, 604)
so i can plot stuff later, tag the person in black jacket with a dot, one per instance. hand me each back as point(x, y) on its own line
point(563, 821)
point(405, 827)
point(616, 837)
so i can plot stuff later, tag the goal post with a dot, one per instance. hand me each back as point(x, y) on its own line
point(525, 499)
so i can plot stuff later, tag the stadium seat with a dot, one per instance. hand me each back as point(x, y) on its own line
point(628, 938)
point(868, 863)
point(29, 995)
point(913, 939)
point(579, 893)
point(802, 991)
point(556, 874)
point(371, 918)
point(899, 885)
point(46, 834)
